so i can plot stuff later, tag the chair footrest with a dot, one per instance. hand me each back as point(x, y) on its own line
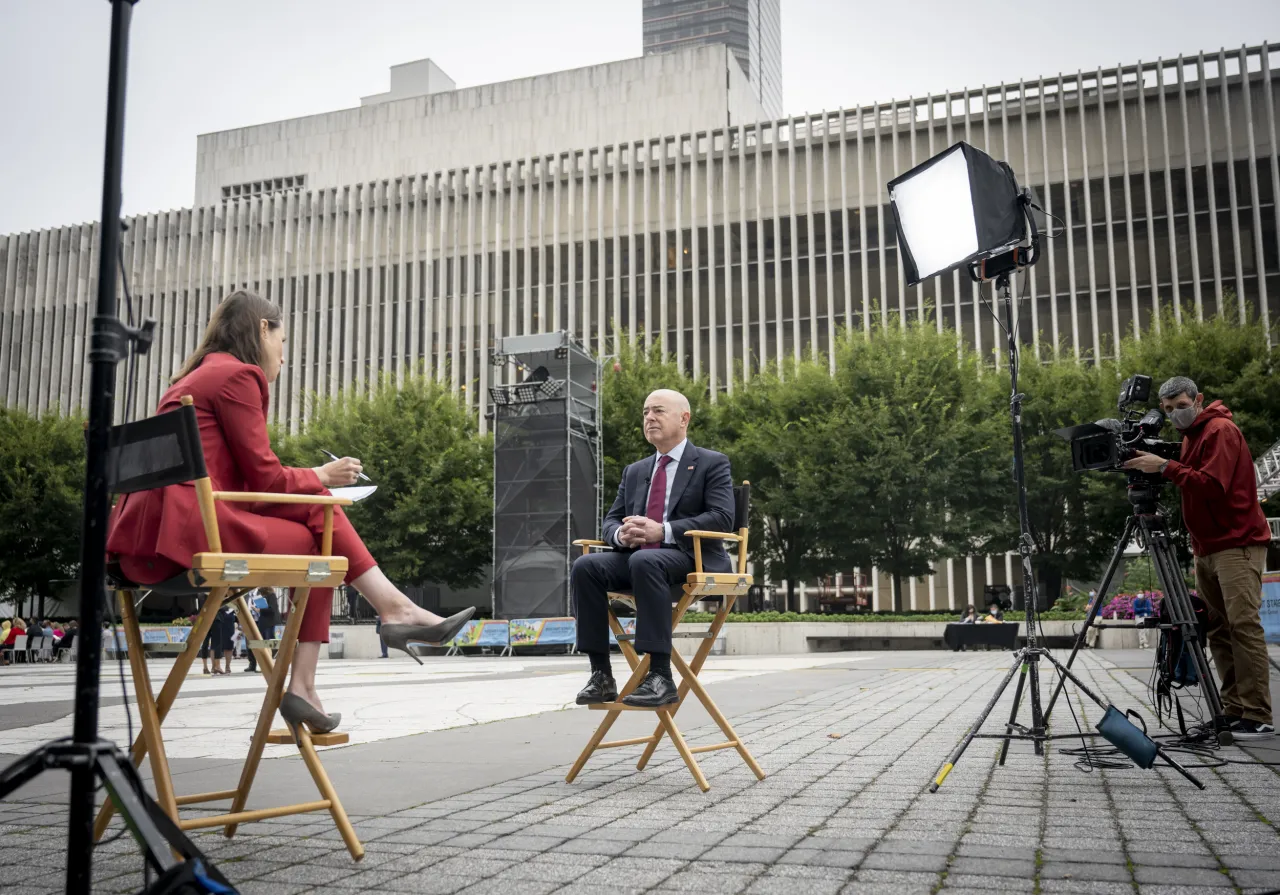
point(623, 707)
point(625, 638)
point(695, 635)
point(282, 735)
point(262, 644)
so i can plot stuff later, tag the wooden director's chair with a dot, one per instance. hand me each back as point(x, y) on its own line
point(723, 586)
point(165, 450)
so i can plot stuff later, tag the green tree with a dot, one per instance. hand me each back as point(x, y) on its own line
point(776, 433)
point(1075, 517)
point(628, 379)
point(41, 501)
point(1227, 360)
point(431, 519)
point(910, 453)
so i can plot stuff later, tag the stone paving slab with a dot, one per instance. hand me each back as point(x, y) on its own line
point(845, 808)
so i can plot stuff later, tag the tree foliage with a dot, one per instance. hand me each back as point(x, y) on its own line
point(41, 500)
point(1075, 517)
point(431, 518)
point(912, 453)
point(776, 432)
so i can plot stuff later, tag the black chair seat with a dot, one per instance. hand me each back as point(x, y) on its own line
point(178, 586)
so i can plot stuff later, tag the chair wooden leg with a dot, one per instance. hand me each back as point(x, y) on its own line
point(149, 720)
point(713, 710)
point(270, 703)
point(639, 668)
point(704, 650)
point(668, 723)
point(169, 692)
point(340, 819)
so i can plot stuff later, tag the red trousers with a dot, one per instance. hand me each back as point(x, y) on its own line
point(292, 528)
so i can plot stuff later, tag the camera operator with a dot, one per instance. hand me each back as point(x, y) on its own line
point(1229, 537)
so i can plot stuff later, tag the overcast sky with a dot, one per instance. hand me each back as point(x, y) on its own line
point(207, 65)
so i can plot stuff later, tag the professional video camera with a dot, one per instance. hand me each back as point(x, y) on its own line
point(1109, 443)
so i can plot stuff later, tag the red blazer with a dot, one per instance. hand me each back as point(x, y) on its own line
point(154, 533)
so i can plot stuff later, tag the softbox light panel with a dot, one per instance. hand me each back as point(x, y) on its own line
point(956, 207)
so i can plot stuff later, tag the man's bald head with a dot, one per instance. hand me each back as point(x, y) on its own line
point(666, 418)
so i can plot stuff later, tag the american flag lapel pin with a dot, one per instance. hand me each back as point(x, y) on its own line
point(691, 469)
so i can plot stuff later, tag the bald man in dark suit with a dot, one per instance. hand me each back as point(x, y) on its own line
point(680, 488)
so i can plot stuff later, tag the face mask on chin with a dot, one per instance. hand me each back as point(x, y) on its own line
point(1183, 417)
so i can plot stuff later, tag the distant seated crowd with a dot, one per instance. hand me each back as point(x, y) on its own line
point(18, 639)
point(995, 615)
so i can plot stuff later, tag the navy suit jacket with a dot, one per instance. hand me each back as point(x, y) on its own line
point(701, 500)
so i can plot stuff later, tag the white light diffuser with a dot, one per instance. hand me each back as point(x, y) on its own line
point(958, 207)
point(935, 214)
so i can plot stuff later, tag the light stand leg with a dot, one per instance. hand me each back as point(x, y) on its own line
point(1013, 725)
point(1067, 674)
point(954, 758)
point(1130, 526)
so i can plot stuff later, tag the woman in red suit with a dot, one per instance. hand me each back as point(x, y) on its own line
point(153, 534)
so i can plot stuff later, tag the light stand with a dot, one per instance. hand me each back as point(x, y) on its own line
point(84, 754)
point(1027, 660)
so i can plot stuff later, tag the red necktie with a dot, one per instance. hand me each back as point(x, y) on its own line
point(657, 496)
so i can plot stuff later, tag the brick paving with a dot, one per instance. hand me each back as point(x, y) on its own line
point(845, 809)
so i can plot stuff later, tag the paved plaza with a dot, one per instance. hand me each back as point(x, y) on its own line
point(454, 780)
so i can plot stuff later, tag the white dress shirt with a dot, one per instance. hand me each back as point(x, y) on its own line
point(675, 454)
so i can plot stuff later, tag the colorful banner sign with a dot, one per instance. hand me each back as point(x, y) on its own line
point(544, 631)
point(628, 627)
point(1271, 607)
point(483, 632)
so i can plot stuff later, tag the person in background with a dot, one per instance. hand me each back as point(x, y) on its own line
point(46, 628)
point(57, 630)
point(68, 636)
point(256, 616)
point(970, 616)
point(1091, 635)
point(16, 630)
point(1142, 610)
point(995, 615)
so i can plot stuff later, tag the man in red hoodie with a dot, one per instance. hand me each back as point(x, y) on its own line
point(1229, 537)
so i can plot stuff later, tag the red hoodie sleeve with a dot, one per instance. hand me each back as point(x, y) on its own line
point(239, 407)
point(1222, 446)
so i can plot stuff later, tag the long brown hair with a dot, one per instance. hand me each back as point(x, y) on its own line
point(235, 328)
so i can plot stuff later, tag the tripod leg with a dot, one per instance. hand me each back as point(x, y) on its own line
point(1129, 526)
point(132, 810)
point(958, 751)
point(25, 769)
point(1037, 714)
point(1013, 714)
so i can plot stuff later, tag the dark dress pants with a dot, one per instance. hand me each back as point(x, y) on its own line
point(651, 575)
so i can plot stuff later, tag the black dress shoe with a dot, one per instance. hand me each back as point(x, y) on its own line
point(600, 688)
point(654, 691)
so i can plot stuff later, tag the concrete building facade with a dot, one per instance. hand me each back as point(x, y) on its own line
point(752, 29)
point(731, 247)
point(424, 123)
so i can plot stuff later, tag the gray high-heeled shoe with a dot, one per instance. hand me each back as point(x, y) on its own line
point(296, 711)
point(401, 637)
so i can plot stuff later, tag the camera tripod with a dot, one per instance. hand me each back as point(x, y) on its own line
point(1148, 522)
point(1027, 660)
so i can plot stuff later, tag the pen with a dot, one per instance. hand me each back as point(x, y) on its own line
point(332, 456)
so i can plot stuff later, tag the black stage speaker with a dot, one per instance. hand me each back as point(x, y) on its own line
point(546, 471)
